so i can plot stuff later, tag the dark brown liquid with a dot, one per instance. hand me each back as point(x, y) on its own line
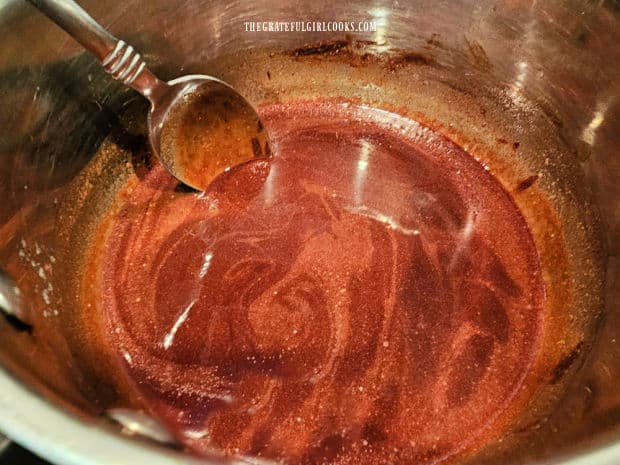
point(208, 131)
point(371, 295)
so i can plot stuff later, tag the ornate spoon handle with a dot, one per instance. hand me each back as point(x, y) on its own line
point(118, 58)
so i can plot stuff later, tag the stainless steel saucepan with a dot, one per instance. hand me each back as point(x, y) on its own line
point(530, 88)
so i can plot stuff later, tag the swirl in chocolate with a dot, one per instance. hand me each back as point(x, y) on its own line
point(371, 295)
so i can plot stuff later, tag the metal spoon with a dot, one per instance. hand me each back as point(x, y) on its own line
point(198, 125)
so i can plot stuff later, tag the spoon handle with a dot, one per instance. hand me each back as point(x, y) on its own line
point(118, 58)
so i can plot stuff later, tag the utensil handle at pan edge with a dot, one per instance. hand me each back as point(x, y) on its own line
point(118, 58)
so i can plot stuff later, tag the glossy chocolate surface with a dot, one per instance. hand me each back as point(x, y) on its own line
point(371, 295)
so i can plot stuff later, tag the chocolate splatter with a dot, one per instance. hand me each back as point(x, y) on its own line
point(527, 183)
point(326, 48)
point(565, 364)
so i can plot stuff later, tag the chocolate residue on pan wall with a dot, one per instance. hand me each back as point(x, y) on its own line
point(566, 363)
point(527, 183)
point(479, 56)
point(433, 41)
point(402, 58)
point(359, 51)
point(326, 48)
point(515, 145)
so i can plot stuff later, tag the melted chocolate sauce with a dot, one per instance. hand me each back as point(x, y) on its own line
point(371, 295)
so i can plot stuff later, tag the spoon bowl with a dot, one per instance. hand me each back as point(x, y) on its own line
point(200, 127)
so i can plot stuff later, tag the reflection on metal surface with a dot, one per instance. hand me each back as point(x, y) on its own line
point(360, 174)
point(118, 65)
point(588, 134)
point(519, 82)
point(381, 14)
point(135, 422)
point(11, 302)
point(169, 337)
